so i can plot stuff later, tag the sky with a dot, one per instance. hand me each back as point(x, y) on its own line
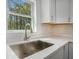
point(12, 3)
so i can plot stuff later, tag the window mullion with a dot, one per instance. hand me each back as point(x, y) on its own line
point(17, 14)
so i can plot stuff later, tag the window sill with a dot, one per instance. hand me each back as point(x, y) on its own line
point(15, 31)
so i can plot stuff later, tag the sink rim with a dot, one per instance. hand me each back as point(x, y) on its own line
point(25, 41)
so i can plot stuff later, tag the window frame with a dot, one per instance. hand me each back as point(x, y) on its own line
point(33, 18)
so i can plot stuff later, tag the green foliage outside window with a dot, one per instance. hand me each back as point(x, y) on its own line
point(16, 22)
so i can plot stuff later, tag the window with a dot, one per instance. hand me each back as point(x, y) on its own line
point(20, 13)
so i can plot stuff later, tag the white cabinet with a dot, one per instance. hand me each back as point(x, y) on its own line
point(66, 52)
point(57, 55)
point(61, 53)
point(45, 10)
point(57, 11)
point(70, 50)
point(62, 11)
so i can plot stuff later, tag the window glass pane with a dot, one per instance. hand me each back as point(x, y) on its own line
point(16, 21)
point(19, 6)
point(14, 5)
point(25, 8)
point(11, 22)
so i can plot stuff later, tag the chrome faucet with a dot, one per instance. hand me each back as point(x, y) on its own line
point(28, 30)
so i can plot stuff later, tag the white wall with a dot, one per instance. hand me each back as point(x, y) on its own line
point(61, 30)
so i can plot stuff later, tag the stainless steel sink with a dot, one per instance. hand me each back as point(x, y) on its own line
point(26, 49)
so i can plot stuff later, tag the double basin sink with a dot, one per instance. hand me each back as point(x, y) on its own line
point(26, 49)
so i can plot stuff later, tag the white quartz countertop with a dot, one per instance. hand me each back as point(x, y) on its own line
point(58, 43)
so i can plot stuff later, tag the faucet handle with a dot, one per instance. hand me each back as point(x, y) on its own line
point(28, 27)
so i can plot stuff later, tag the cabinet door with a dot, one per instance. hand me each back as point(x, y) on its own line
point(57, 55)
point(70, 50)
point(62, 11)
point(53, 10)
point(45, 10)
point(66, 51)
